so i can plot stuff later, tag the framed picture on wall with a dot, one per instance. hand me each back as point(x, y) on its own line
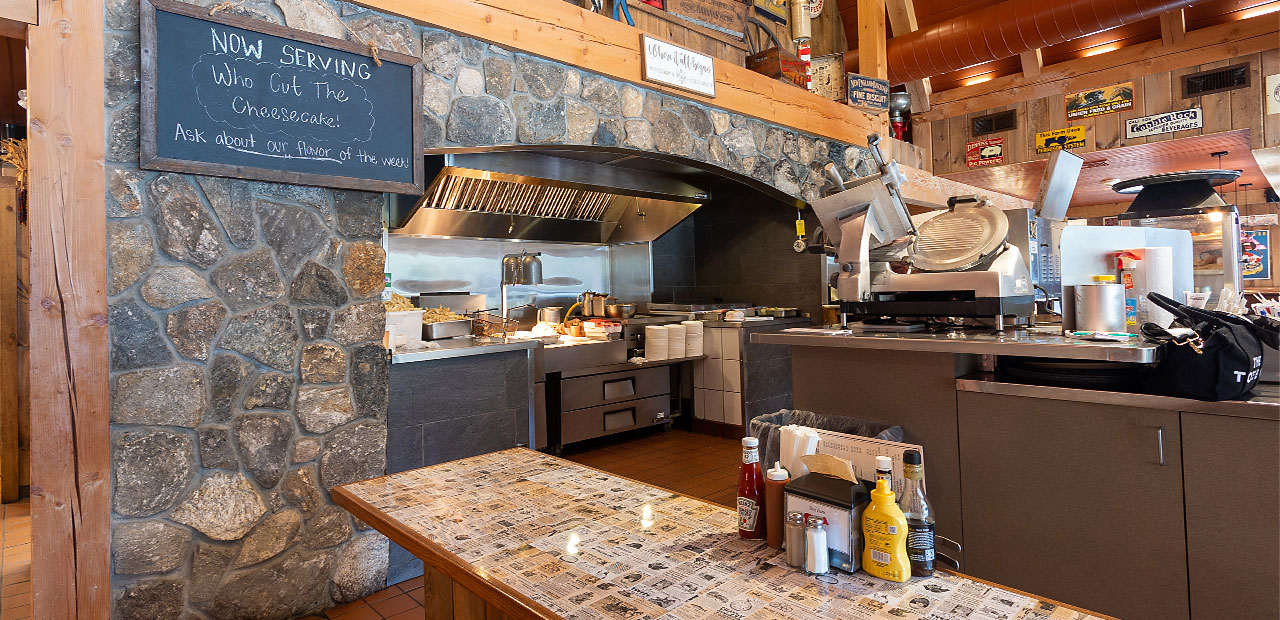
point(773, 9)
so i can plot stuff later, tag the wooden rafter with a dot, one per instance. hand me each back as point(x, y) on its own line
point(902, 20)
point(1210, 44)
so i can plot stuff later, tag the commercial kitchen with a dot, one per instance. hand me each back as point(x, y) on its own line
point(640, 309)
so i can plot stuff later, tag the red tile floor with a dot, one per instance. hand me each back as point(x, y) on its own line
point(696, 465)
point(15, 562)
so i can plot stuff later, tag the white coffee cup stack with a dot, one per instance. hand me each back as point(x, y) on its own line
point(675, 341)
point(655, 342)
point(692, 338)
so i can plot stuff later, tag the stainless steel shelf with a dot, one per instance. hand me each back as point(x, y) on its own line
point(462, 347)
point(1022, 343)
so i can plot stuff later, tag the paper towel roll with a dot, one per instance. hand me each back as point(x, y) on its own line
point(675, 341)
point(1159, 268)
point(655, 342)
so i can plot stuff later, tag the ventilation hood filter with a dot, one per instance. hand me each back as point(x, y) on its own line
point(481, 191)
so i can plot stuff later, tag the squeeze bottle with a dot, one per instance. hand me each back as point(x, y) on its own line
point(884, 528)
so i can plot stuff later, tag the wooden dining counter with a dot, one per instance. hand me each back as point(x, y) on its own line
point(522, 535)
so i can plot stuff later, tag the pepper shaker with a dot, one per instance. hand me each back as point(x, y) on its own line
point(795, 539)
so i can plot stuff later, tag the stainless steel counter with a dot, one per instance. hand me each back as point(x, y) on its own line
point(793, 321)
point(1025, 343)
point(462, 347)
point(1264, 404)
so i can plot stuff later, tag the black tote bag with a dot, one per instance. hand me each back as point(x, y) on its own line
point(1219, 359)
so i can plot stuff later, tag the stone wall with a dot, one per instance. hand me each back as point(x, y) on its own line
point(247, 375)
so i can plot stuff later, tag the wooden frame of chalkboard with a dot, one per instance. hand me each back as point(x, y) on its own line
point(148, 147)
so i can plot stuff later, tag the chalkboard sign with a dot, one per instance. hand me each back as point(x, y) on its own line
point(230, 96)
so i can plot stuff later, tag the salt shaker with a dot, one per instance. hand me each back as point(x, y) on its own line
point(816, 560)
point(795, 539)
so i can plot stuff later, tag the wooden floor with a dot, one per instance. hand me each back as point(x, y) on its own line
point(696, 465)
point(15, 562)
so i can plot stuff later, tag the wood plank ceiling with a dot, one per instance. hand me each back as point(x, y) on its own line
point(1103, 168)
point(929, 12)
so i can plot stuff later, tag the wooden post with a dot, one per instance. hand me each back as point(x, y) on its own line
point(1173, 27)
point(10, 476)
point(871, 39)
point(70, 399)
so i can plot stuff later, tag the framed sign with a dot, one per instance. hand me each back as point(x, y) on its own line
point(828, 76)
point(1058, 139)
point(867, 92)
point(1256, 258)
point(672, 65)
point(1168, 122)
point(228, 96)
point(773, 9)
point(1099, 101)
point(984, 153)
point(727, 16)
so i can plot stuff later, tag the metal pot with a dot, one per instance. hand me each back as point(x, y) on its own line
point(550, 314)
point(620, 311)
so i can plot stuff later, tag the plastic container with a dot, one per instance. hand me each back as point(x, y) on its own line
point(407, 323)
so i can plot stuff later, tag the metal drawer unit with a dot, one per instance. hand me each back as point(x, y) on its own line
point(608, 419)
point(614, 387)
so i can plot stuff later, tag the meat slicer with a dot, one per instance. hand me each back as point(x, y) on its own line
point(953, 262)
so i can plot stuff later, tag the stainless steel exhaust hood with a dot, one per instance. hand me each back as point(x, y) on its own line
point(587, 195)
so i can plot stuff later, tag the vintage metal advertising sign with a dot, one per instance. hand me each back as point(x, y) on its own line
point(1167, 122)
point(1099, 101)
point(1058, 139)
point(868, 92)
point(981, 153)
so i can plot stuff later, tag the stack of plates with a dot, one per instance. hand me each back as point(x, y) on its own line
point(692, 338)
point(655, 342)
point(675, 341)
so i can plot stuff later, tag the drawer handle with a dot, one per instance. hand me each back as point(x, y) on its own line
point(619, 388)
point(1160, 443)
point(620, 419)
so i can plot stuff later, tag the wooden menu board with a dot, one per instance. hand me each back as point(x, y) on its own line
point(230, 96)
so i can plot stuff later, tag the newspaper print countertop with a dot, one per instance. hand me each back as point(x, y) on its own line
point(591, 546)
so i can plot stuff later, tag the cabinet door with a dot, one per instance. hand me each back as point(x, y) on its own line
point(1232, 475)
point(1071, 501)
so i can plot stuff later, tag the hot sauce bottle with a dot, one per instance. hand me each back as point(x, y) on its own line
point(751, 492)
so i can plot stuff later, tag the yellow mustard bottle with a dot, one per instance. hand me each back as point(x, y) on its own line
point(884, 531)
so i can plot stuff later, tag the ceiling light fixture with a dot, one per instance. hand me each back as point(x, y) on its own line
point(1101, 49)
point(1263, 9)
point(977, 79)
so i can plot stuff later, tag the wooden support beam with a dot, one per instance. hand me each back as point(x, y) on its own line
point(872, 58)
point(1032, 63)
point(10, 475)
point(1220, 42)
point(902, 20)
point(1173, 27)
point(70, 399)
point(566, 33)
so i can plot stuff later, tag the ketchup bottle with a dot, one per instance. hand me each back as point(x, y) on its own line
point(751, 492)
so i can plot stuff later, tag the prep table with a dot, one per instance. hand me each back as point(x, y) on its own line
point(522, 535)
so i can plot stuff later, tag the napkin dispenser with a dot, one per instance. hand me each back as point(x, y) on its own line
point(841, 502)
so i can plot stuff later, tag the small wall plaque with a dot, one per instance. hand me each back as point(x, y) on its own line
point(672, 65)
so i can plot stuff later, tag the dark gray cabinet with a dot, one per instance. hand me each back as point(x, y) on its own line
point(1075, 501)
point(1231, 470)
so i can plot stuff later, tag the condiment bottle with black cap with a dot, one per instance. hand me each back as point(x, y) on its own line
point(919, 514)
